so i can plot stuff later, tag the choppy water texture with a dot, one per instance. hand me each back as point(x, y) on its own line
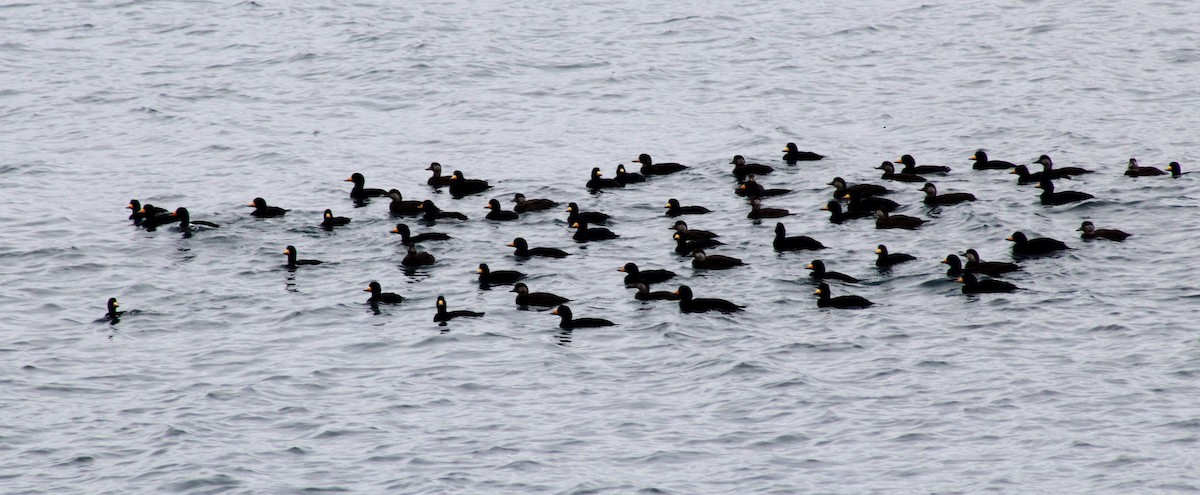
point(237, 376)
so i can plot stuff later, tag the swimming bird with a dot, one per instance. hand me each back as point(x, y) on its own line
point(795, 243)
point(982, 162)
point(584, 234)
point(1135, 170)
point(524, 251)
point(644, 294)
point(840, 189)
point(651, 168)
point(691, 234)
point(359, 193)
point(292, 262)
point(528, 205)
point(688, 303)
point(825, 299)
point(889, 173)
point(1024, 246)
point(883, 259)
point(1051, 198)
point(836, 215)
point(461, 186)
point(407, 238)
point(628, 177)
point(972, 285)
point(568, 320)
point(750, 188)
point(433, 213)
point(1058, 173)
point(378, 296)
point(416, 258)
point(792, 154)
point(674, 210)
point(634, 275)
point(1024, 176)
point(932, 198)
point(498, 212)
point(328, 221)
point(1091, 232)
point(400, 207)
point(885, 221)
point(437, 180)
point(714, 261)
point(911, 167)
point(543, 299)
point(184, 218)
point(574, 215)
point(869, 203)
point(990, 268)
point(956, 267)
point(685, 247)
point(153, 217)
point(820, 273)
point(443, 315)
point(498, 277)
point(757, 211)
point(741, 169)
point(597, 182)
point(140, 213)
point(1176, 170)
point(262, 210)
point(113, 315)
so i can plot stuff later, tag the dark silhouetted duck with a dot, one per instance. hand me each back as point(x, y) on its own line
point(889, 173)
point(932, 198)
point(841, 189)
point(714, 261)
point(359, 193)
point(825, 299)
point(633, 275)
point(443, 315)
point(154, 217)
point(644, 294)
point(568, 320)
point(982, 162)
point(688, 303)
point(380, 297)
point(750, 188)
point(407, 238)
point(437, 180)
point(1024, 246)
point(574, 215)
point(674, 210)
point(524, 251)
point(883, 259)
point(795, 243)
point(498, 277)
point(956, 267)
point(836, 215)
point(1048, 169)
point(989, 268)
point(498, 212)
point(598, 182)
point(400, 207)
point(1176, 170)
point(741, 169)
point(262, 210)
point(328, 221)
point(433, 213)
point(1135, 170)
point(1051, 198)
point(416, 258)
point(292, 262)
point(792, 154)
point(885, 221)
point(757, 211)
point(543, 299)
point(911, 167)
point(628, 177)
point(685, 247)
point(140, 213)
point(113, 315)
point(1091, 232)
point(651, 168)
point(819, 273)
point(691, 234)
point(1024, 176)
point(461, 186)
point(528, 205)
point(972, 285)
point(184, 218)
point(869, 204)
point(584, 234)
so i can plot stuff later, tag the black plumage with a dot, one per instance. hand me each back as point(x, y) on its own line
point(432, 213)
point(911, 167)
point(836, 215)
point(568, 321)
point(750, 188)
point(583, 233)
point(685, 247)
point(1058, 173)
point(407, 238)
point(691, 234)
point(634, 275)
point(841, 188)
point(380, 297)
point(1051, 198)
point(741, 169)
point(983, 163)
point(461, 186)
point(1023, 246)
point(524, 205)
point(825, 299)
point(820, 273)
point(416, 258)
point(293, 262)
point(932, 198)
point(714, 262)
point(1091, 232)
point(792, 154)
point(524, 251)
point(328, 221)
point(674, 209)
point(644, 294)
point(650, 168)
point(628, 177)
point(443, 315)
point(795, 243)
point(688, 303)
point(972, 285)
point(400, 207)
point(884, 259)
point(498, 212)
point(263, 210)
point(889, 173)
point(757, 211)
point(1135, 170)
point(574, 215)
point(859, 203)
point(885, 221)
point(359, 193)
point(543, 299)
point(598, 182)
point(990, 268)
point(498, 277)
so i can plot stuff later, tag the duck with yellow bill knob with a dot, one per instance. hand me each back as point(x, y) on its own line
point(750, 188)
point(407, 238)
point(688, 303)
point(598, 182)
point(819, 273)
point(674, 209)
point(443, 315)
point(911, 167)
point(650, 168)
point(584, 234)
point(983, 163)
point(328, 221)
point(497, 277)
point(461, 186)
point(685, 247)
point(792, 154)
point(498, 213)
point(378, 296)
point(884, 259)
point(825, 299)
point(543, 299)
point(574, 215)
point(524, 251)
point(293, 261)
point(360, 193)
point(263, 210)
point(569, 322)
point(972, 285)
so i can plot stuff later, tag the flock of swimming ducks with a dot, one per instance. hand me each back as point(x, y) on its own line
point(849, 202)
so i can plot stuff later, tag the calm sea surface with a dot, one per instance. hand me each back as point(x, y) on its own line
point(233, 375)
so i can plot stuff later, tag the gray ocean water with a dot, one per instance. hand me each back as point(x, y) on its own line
point(234, 375)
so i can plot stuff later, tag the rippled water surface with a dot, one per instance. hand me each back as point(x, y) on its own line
point(234, 375)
